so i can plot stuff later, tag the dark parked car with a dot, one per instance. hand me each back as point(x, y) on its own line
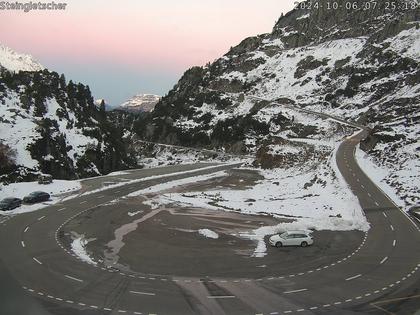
point(415, 212)
point(36, 196)
point(10, 203)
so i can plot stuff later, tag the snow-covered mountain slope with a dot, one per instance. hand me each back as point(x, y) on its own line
point(52, 126)
point(14, 61)
point(140, 103)
point(361, 65)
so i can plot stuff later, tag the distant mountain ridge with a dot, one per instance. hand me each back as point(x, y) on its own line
point(140, 103)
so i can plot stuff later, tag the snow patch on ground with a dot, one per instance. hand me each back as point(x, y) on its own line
point(132, 214)
point(78, 246)
point(208, 233)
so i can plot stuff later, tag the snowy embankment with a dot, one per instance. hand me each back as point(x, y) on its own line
point(20, 190)
point(378, 175)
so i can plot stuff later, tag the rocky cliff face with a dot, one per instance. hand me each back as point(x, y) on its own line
point(361, 64)
point(52, 126)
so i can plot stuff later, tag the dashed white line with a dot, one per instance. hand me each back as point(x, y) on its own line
point(142, 293)
point(354, 277)
point(26, 229)
point(221, 297)
point(40, 218)
point(22, 243)
point(295, 291)
point(394, 243)
point(376, 203)
point(61, 209)
point(99, 197)
point(392, 228)
point(82, 202)
point(73, 278)
point(37, 260)
point(369, 195)
point(384, 214)
point(384, 260)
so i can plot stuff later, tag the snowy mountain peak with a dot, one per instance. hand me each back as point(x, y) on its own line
point(141, 103)
point(14, 61)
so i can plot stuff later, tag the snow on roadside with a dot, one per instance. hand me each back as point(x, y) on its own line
point(178, 182)
point(20, 190)
point(208, 233)
point(156, 177)
point(78, 246)
point(377, 175)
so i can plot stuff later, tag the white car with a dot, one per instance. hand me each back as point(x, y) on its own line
point(292, 238)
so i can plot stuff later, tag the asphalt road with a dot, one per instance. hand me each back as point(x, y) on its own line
point(40, 276)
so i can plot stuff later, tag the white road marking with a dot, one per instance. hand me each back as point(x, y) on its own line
point(384, 260)
point(26, 229)
point(369, 195)
point(107, 309)
point(392, 228)
point(376, 203)
point(354, 277)
point(394, 243)
point(40, 218)
point(221, 297)
point(99, 197)
point(37, 260)
point(22, 243)
point(82, 202)
point(118, 191)
point(384, 214)
point(73, 278)
point(295, 291)
point(142, 293)
point(61, 209)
